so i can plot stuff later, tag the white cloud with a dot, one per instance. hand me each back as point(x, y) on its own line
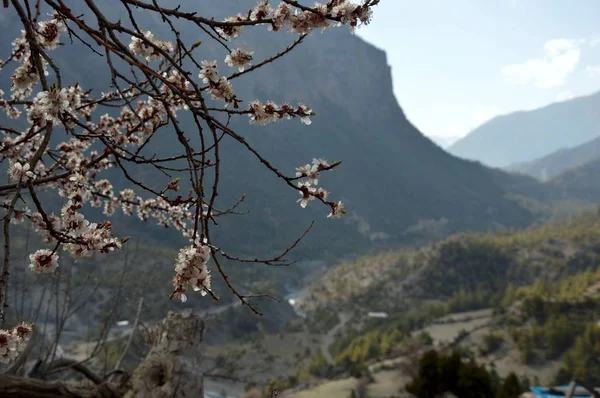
point(561, 58)
point(564, 96)
point(531, 107)
point(476, 118)
point(482, 114)
point(593, 70)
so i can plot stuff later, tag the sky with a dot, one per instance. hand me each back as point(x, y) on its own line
point(458, 63)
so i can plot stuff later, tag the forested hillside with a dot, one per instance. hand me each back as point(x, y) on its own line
point(559, 162)
point(542, 285)
point(481, 265)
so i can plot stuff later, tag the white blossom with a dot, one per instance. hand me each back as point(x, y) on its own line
point(261, 11)
point(303, 171)
point(9, 343)
point(191, 271)
point(337, 210)
point(231, 32)
point(53, 103)
point(320, 164)
point(322, 194)
point(149, 46)
point(222, 90)
point(49, 33)
point(239, 59)
point(306, 193)
point(304, 112)
point(310, 171)
point(43, 261)
point(209, 72)
point(20, 172)
point(281, 16)
point(12, 342)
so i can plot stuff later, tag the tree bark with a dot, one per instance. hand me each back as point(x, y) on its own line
point(18, 387)
point(171, 368)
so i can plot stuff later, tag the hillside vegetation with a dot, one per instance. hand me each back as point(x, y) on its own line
point(558, 162)
point(472, 264)
point(542, 284)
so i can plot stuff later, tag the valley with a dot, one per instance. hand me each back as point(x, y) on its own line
point(477, 257)
point(518, 302)
point(555, 266)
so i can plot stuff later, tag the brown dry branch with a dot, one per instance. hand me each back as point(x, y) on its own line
point(151, 80)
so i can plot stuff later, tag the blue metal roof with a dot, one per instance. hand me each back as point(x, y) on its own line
point(558, 391)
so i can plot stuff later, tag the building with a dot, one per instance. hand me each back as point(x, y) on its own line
point(558, 391)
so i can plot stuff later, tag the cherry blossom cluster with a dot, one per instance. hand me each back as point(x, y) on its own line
point(219, 88)
point(191, 271)
point(271, 112)
point(27, 75)
point(309, 175)
point(239, 58)
point(43, 261)
point(320, 16)
point(14, 341)
point(20, 172)
point(150, 48)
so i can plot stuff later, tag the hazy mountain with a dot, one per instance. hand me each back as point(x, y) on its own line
point(443, 140)
point(528, 135)
point(580, 182)
point(558, 162)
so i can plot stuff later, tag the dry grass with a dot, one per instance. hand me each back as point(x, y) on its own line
point(332, 389)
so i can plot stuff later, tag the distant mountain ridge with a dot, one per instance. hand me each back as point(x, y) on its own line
point(527, 135)
point(556, 163)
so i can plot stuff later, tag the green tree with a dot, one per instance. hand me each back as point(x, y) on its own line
point(427, 384)
point(525, 346)
point(511, 388)
point(474, 381)
point(318, 365)
point(440, 373)
point(583, 361)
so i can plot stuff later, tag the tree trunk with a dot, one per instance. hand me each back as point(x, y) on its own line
point(171, 368)
point(18, 387)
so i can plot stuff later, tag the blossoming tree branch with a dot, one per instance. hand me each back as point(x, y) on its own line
point(164, 78)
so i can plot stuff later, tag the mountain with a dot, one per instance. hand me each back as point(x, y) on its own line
point(527, 135)
point(556, 163)
point(443, 141)
point(396, 183)
point(580, 182)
